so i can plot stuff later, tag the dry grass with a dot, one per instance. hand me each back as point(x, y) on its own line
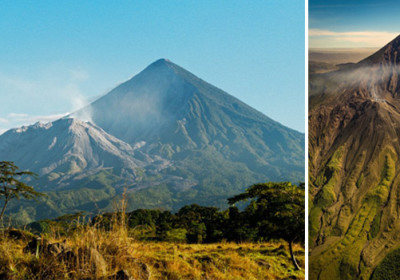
point(218, 261)
point(96, 254)
point(90, 252)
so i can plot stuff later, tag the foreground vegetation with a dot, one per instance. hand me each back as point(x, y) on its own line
point(92, 252)
point(155, 244)
point(275, 211)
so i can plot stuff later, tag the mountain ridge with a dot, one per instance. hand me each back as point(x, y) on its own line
point(182, 141)
point(387, 54)
point(354, 125)
point(197, 113)
point(164, 65)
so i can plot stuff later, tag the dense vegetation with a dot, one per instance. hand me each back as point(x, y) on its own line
point(152, 244)
point(159, 244)
point(389, 268)
point(276, 210)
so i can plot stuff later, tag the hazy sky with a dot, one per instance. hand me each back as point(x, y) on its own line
point(352, 23)
point(57, 55)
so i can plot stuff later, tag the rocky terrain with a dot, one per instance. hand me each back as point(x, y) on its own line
point(354, 127)
point(165, 135)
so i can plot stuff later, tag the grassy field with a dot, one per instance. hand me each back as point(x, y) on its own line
point(90, 252)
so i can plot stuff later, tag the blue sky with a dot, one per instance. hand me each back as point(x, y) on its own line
point(55, 56)
point(352, 23)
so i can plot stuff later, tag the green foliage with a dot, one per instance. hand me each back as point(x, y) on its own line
point(326, 197)
point(143, 232)
point(342, 259)
point(335, 163)
point(389, 268)
point(380, 193)
point(376, 223)
point(239, 228)
point(177, 235)
point(211, 177)
point(62, 225)
point(320, 181)
point(314, 222)
point(204, 224)
point(43, 226)
point(360, 180)
point(328, 180)
point(276, 210)
point(11, 187)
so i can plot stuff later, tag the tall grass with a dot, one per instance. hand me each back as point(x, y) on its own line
point(91, 251)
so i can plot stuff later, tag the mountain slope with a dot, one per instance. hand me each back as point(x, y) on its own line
point(167, 136)
point(65, 148)
point(354, 127)
point(79, 165)
point(173, 111)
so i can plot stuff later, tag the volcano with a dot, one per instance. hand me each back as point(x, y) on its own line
point(166, 136)
point(175, 113)
point(354, 127)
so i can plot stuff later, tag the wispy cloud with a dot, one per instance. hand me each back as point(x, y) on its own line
point(330, 6)
point(3, 121)
point(17, 115)
point(321, 38)
point(79, 75)
point(29, 97)
point(17, 83)
point(14, 120)
point(25, 119)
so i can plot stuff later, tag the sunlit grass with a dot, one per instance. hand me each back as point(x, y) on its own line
point(101, 253)
point(89, 251)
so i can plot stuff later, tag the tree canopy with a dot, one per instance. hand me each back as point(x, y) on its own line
point(11, 187)
point(276, 210)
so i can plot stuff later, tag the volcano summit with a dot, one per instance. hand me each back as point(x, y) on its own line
point(167, 136)
point(354, 128)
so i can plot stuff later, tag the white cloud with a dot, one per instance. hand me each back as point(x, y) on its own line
point(48, 118)
point(17, 115)
point(31, 96)
point(25, 119)
point(4, 121)
point(17, 83)
point(79, 75)
point(14, 120)
point(331, 39)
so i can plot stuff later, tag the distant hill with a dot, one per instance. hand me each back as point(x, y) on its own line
point(167, 136)
point(339, 55)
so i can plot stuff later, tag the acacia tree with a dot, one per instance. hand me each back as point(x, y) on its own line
point(11, 187)
point(276, 210)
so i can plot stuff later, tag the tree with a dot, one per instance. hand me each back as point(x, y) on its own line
point(11, 187)
point(203, 224)
point(277, 211)
point(238, 228)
